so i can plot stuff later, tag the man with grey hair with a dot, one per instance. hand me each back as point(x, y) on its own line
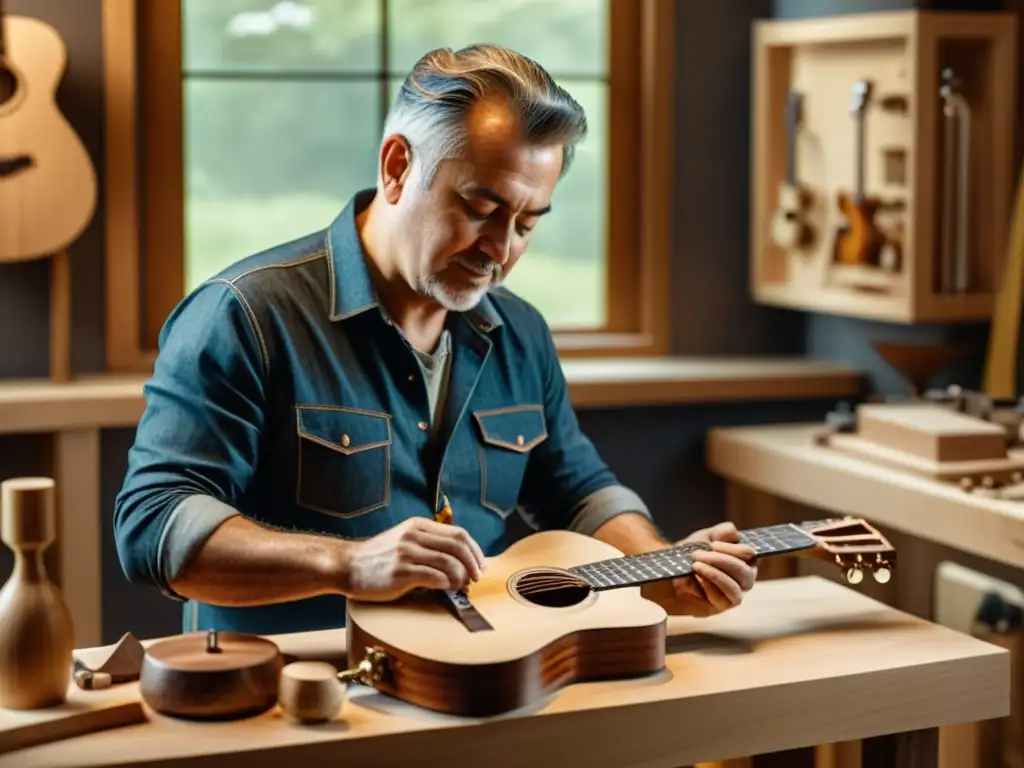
point(357, 412)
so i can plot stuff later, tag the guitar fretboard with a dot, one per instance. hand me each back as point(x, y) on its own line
point(634, 570)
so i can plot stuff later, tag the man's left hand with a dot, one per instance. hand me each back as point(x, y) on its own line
point(720, 576)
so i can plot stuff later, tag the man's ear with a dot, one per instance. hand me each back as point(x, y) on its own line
point(395, 166)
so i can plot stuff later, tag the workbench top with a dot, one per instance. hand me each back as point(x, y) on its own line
point(802, 662)
point(783, 460)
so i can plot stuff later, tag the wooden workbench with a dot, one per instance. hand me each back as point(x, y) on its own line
point(801, 662)
point(782, 460)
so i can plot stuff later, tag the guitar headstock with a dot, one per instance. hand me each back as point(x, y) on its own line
point(855, 546)
point(860, 96)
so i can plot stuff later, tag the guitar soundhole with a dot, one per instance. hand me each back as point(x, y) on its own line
point(550, 588)
point(8, 85)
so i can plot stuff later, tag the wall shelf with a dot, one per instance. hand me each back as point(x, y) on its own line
point(822, 65)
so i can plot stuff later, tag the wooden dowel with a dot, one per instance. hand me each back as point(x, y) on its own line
point(60, 316)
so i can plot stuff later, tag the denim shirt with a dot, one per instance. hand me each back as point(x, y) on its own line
point(282, 392)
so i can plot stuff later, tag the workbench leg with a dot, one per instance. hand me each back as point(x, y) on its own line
point(912, 749)
point(844, 754)
point(76, 471)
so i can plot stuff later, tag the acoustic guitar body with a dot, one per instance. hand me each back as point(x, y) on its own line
point(48, 186)
point(532, 650)
point(858, 240)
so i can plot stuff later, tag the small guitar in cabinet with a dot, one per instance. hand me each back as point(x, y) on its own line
point(790, 228)
point(858, 240)
point(556, 608)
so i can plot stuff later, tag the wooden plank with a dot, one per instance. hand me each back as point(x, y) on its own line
point(100, 401)
point(78, 716)
point(116, 400)
point(121, 187)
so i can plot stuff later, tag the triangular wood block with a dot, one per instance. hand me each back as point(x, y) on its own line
point(123, 664)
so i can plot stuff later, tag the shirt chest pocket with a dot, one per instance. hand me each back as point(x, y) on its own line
point(507, 436)
point(344, 459)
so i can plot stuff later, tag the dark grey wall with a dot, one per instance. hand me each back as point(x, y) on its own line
point(712, 311)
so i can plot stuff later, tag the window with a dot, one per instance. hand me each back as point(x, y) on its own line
point(258, 119)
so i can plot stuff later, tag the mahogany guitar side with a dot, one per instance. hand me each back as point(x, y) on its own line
point(434, 662)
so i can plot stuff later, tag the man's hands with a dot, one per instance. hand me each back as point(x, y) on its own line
point(418, 552)
point(721, 576)
point(423, 553)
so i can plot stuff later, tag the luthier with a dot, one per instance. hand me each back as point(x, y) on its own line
point(879, 179)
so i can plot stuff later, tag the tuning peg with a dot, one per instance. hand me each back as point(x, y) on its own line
point(854, 575)
point(882, 574)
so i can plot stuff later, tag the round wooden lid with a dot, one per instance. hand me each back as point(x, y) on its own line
point(213, 652)
point(310, 671)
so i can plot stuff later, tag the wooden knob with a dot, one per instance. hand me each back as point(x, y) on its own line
point(27, 512)
point(310, 691)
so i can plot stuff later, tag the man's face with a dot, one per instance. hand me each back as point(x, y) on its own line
point(464, 234)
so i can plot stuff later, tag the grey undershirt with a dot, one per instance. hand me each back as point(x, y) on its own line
point(197, 516)
point(435, 369)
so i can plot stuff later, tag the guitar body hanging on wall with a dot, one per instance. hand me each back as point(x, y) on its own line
point(48, 187)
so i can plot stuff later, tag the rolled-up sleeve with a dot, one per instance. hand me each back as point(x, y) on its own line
point(197, 443)
point(567, 484)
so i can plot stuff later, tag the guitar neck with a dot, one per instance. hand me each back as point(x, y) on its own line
point(859, 128)
point(792, 120)
point(634, 570)
point(791, 156)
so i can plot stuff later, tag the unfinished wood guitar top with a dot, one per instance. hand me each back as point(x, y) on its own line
point(521, 628)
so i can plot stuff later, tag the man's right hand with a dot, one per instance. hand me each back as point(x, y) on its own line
point(418, 552)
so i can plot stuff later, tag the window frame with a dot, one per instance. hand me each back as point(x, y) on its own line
point(144, 175)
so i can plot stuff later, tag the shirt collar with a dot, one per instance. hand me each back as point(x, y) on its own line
point(352, 290)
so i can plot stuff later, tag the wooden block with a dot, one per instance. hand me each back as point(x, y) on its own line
point(931, 432)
